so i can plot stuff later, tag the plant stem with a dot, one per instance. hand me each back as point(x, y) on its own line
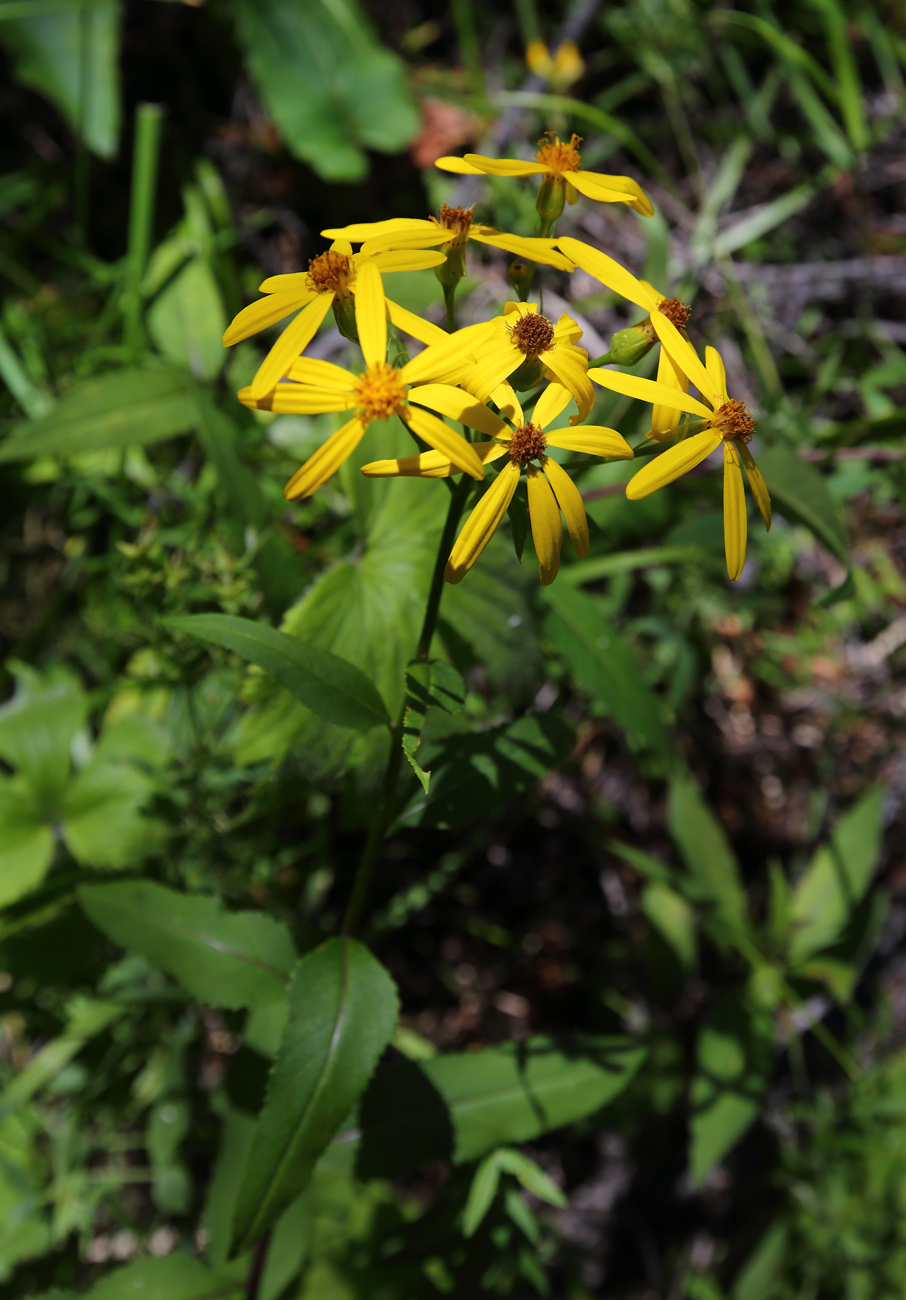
point(365, 869)
point(148, 120)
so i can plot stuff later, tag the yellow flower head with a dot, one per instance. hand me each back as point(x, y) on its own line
point(550, 489)
point(453, 227)
point(727, 424)
point(559, 162)
point(331, 277)
point(377, 393)
point(615, 277)
point(522, 338)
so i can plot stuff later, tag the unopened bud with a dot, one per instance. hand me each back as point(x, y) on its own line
point(550, 201)
point(450, 272)
point(520, 276)
point(628, 346)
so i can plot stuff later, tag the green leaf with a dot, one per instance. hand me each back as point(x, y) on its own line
point(71, 56)
point(712, 880)
point(531, 1176)
point(328, 84)
point(673, 919)
point(26, 842)
point(100, 813)
point(327, 684)
point(799, 492)
point(459, 1106)
point(172, 1277)
point(115, 410)
point(733, 1066)
point(519, 519)
point(342, 1012)
point(837, 879)
point(37, 728)
point(187, 320)
point(433, 684)
point(227, 959)
point(605, 666)
point(481, 1195)
point(86, 1018)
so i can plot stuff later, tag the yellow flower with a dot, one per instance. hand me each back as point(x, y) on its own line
point(664, 419)
point(331, 277)
point(559, 163)
point(521, 337)
point(451, 228)
point(728, 423)
point(315, 387)
point(550, 488)
point(561, 70)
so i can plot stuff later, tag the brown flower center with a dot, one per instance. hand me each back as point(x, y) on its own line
point(527, 443)
point(532, 334)
point(457, 220)
point(676, 312)
point(379, 393)
point(557, 156)
point(332, 271)
point(734, 422)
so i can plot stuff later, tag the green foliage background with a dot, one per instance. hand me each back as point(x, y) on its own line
point(625, 1016)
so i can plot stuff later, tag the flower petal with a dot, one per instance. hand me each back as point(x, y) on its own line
point(664, 419)
point(646, 390)
point(296, 282)
point(593, 439)
point(491, 368)
point(266, 311)
point(457, 165)
point(322, 374)
point(429, 464)
point(716, 373)
point(501, 166)
point(549, 405)
point(684, 355)
point(409, 323)
point(569, 365)
point(298, 399)
point(403, 240)
point(568, 329)
point(671, 464)
point(735, 522)
point(442, 438)
point(609, 272)
point(371, 313)
point(459, 406)
point(408, 259)
point(612, 189)
point(569, 499)
point(544, 517)
point(325, 462)
point(437, 360)
point(482, 523)
point(535, 250)
point(362, 230)
point(297, 335)
point(756, 484)
point(507, 403)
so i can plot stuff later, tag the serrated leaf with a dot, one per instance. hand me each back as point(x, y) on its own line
point(100, 812)
point(837, 878)
point(435, 684)
point(342, 1012)
point(26, 843)
point(799, 492)
point(227, 959)
point(115, 410)
point(605, 666)
point(37, 728)
point(328, 685)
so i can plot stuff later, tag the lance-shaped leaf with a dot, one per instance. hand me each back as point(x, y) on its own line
point(227, 959)
point(435, 684)
point(712, 873)
point(342, 1012)
point(325, 683)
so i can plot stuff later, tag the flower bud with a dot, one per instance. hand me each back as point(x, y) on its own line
point(550, 201)
point(520, 276)
point(628, 346)
point(450, 273)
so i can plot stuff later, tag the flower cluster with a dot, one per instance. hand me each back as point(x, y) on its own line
point(474, 375)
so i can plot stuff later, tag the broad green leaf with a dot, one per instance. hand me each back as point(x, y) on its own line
point(328, 685)
point(342, 1012)
point(459, 1106)
point(115, 410)
point(477, 773)
point(37, 728)
point(187, 320)
point(71, 56)
point(227, 959)
point(605, 666)
point(837, 879)
point(434, 684)
point(26, 842)
point(328, 84)
point(172, 1277)
point(734, 1059)
point(100, 813)
point(673, 919)
point(712, 874)
point(799, 492)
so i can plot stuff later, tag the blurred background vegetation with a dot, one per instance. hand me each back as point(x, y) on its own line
point(744, 921)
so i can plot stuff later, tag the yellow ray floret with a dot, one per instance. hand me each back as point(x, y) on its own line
point(560, 162)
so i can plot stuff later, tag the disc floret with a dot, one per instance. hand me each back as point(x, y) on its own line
point(332, 272)
point(379, 393)
point(558, 156)
point(458, 221)
point(677, 312)
point(533, 334)
point(734, 423)
point(528, 443)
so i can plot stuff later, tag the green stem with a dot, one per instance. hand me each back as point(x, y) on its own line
point(365, 870)
point(450, 306)
point(148, 119)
